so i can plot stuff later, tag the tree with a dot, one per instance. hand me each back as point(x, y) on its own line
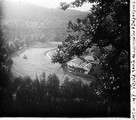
point(107, 27)
point(53, 85)
point(4, 56)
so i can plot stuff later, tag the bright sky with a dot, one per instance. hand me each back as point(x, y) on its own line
point(53, 3)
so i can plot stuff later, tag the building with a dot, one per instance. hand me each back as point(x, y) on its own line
point(78, 63)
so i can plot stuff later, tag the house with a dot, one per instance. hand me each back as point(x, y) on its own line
point(78, 63)
point(89, 58)
point(75, 62)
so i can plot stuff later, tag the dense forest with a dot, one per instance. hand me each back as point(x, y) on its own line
point(106, 28)
point(46, 97)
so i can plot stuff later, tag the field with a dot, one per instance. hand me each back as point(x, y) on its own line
point(39, 61)
point(36, 63)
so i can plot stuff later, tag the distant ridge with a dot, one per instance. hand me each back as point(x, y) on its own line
point(27, 11)
point(29, 22)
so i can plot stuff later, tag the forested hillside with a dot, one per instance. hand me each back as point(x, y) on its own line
point(28, 22)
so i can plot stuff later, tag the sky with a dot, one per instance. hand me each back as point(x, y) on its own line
point(53, 3)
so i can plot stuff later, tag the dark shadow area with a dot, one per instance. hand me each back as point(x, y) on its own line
point(47, 98)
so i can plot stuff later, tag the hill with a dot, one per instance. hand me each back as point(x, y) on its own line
point(28, 23)
point(46, 16)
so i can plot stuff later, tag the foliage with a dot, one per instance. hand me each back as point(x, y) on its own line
point(53, 85)
point(46, 97)
point(107, 27)
point(5, 63)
